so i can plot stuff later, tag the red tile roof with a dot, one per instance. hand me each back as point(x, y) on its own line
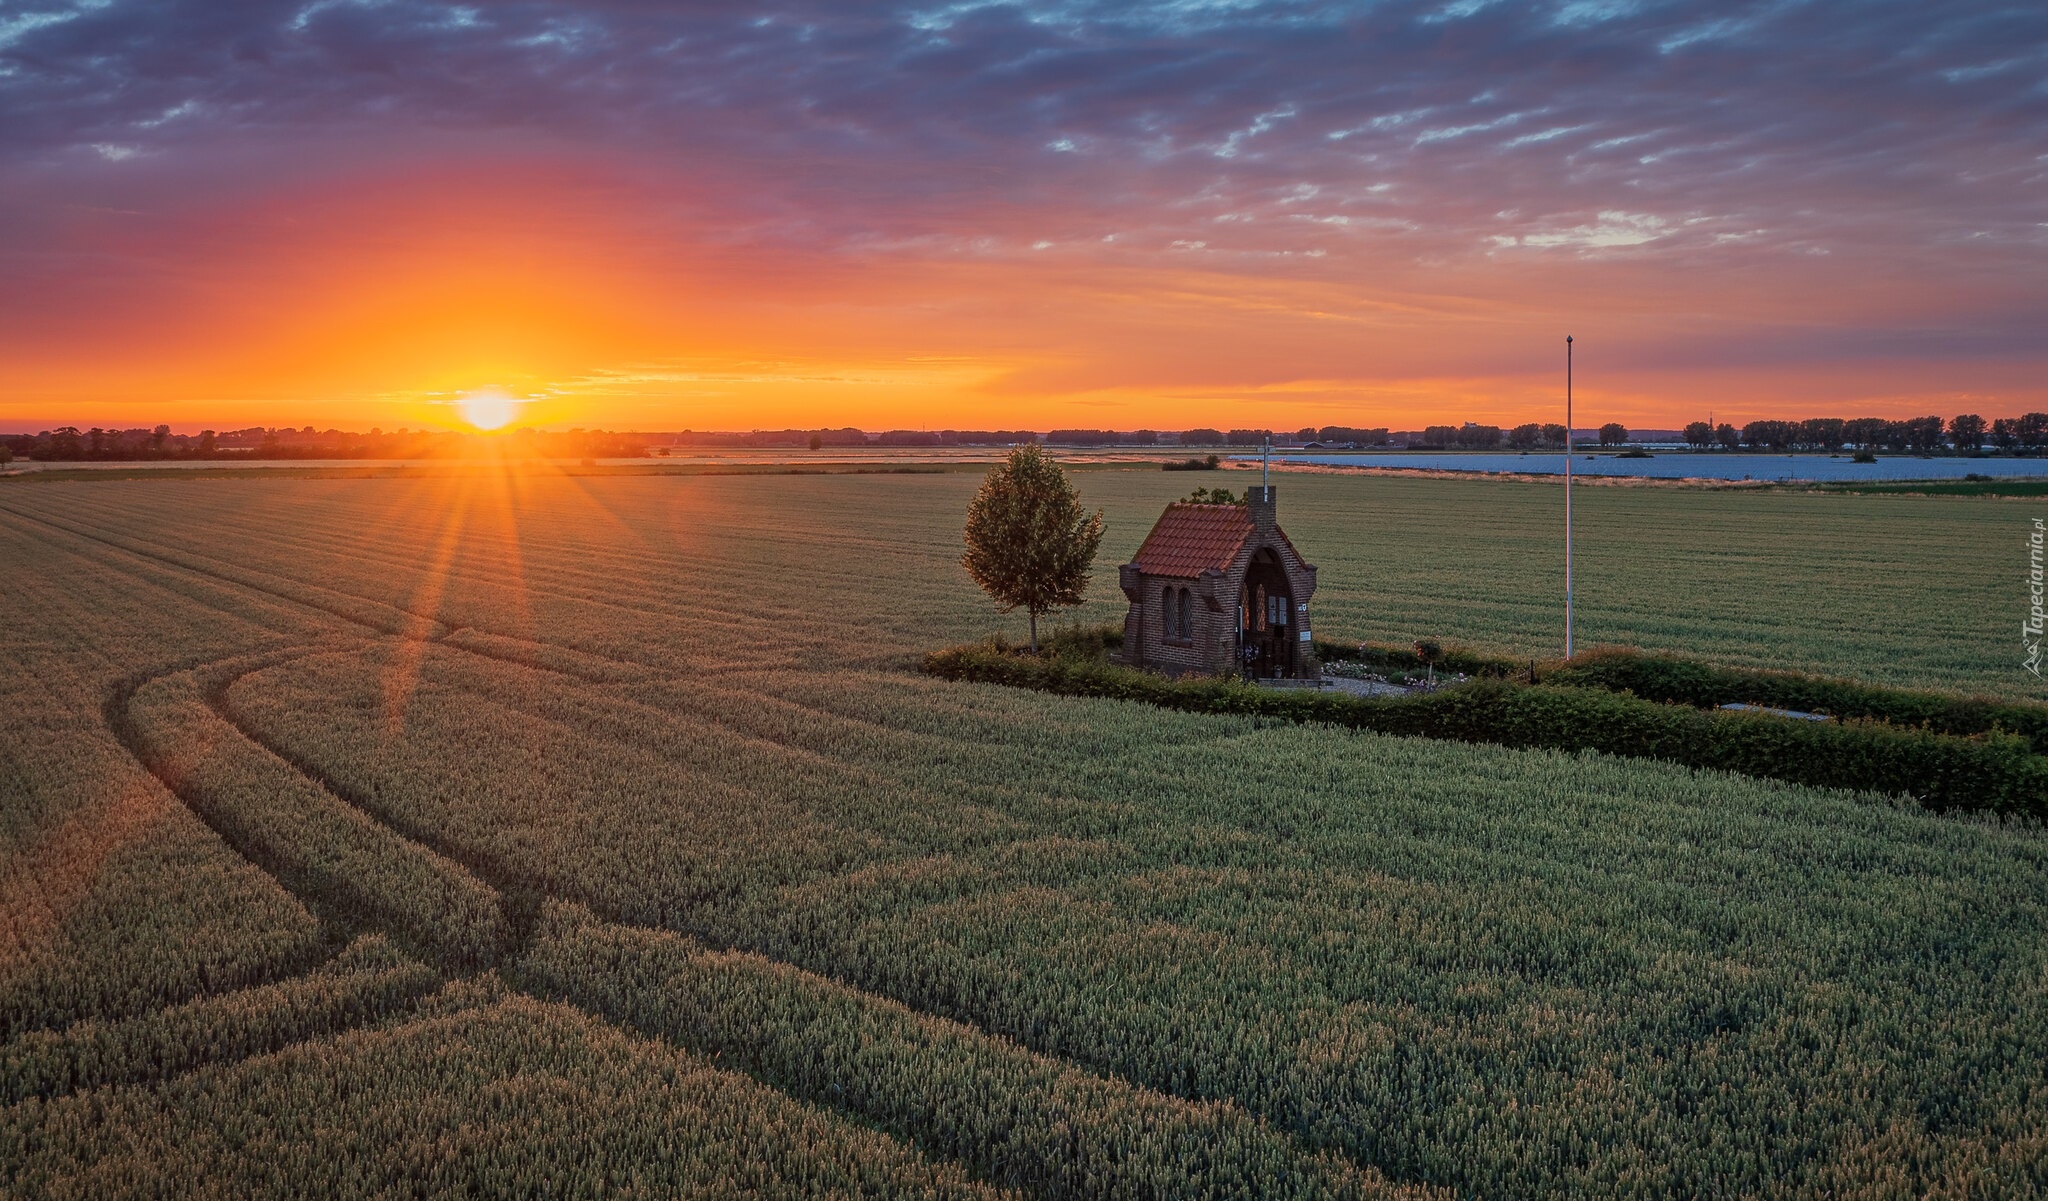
point(1192, 538)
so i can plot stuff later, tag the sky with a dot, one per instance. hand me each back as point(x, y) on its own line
point(1149, 214)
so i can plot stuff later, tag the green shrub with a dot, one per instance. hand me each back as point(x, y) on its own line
point(1079, 643)
point(1385, 657)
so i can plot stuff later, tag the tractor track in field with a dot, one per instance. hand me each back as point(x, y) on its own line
point(337, 928)
point(519, 905)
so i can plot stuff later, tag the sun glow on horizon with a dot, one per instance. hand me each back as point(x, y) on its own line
point(489, 408)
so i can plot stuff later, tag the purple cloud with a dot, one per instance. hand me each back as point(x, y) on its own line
point(1895, 142)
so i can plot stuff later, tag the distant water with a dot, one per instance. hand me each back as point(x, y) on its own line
point(1675, 465)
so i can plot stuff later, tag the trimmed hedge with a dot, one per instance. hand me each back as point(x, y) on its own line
point(1689, 682)
point(1681, 681)
point(1992, 772)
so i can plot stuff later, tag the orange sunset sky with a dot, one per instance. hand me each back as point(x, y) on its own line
point(1018, 216)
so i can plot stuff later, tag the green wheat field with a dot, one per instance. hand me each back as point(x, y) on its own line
point(499, 833)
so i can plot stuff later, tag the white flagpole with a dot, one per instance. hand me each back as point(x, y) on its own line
point(1567, 496)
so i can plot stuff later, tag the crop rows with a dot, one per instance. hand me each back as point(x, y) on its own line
point(1021, 1120)
point(365, 981)
point(312, 841)
point(1089, 1137)
point(114, 899)
point(508, 1097)
point(1227, 938)
point(1897, 589)
point(1077, 947)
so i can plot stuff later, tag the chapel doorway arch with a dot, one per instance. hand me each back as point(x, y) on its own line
point(1266, 620)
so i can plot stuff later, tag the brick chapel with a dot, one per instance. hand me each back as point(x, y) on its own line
point(1219, 589)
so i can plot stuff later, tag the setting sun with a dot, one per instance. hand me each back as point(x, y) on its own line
point(488, 408)
point(1201, 597)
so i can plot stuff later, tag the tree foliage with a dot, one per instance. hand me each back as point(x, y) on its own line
point(1029, 541)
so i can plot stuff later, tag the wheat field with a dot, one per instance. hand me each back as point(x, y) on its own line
point(338, 812)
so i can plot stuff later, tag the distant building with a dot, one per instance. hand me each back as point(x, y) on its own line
point(1219, 589)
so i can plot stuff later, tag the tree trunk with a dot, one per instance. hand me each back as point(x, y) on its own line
point(1034, 633)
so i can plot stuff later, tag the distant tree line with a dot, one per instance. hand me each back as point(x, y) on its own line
point(819, 439)
point(1328, 435)
point(790, 437)
point(71, 444)
point(1342, 435)
point(1965, 432)
point(1473, 436)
